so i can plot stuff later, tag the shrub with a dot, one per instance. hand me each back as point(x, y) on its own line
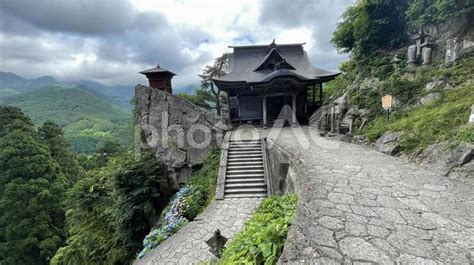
point(188, 202)
point(264, 235)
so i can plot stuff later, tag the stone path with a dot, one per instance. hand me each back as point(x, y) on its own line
point(187, 246)
point(360, 206)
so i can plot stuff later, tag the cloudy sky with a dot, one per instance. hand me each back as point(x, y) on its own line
point(111, 40)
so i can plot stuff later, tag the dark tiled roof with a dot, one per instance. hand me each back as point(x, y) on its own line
point(250, 64)
point(156, 69)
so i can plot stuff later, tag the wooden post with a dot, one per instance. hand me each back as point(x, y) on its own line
point(293, 111)
point(314, 94)
point(321, 93)
point(264, 111)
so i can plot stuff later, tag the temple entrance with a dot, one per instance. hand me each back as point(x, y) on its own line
point(275, 106)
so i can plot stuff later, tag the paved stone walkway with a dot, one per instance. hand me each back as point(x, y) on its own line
point(187, 246)
point(360, 206)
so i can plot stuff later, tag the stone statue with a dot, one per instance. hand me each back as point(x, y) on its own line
point(216, 243)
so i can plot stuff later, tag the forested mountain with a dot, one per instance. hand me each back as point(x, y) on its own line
point(12, 84)
point(89, 112)
point(87, 117)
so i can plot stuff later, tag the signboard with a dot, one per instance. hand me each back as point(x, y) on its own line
point(471, 118)
point(388, 102)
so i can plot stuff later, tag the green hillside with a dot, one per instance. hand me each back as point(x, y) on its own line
point(87, 118)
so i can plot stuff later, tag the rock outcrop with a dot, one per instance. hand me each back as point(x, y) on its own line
point(389, 143)
point(455, 163)
point(179, 133)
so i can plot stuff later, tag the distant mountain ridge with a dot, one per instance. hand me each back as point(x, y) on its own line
point(12, 84)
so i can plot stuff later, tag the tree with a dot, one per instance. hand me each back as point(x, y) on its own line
point(220, 67)
point(31, 192)
point(371, 25)
point(111, 209)
point(139, 198)
point(59, 149)
point(201, 98)
point(11, 118)
point(431, 12)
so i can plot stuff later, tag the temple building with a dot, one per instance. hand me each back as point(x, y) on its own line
point(265, 78)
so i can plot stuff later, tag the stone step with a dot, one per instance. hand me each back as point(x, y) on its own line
point(244, 171)
point(245, 185)
point(233, 155)
point(250, 195)
point(237, 176)
point(244, 190)
point(245, 150)
point(245, 163)
point(245, 167)
point(245, 143)
point(244, 180)
point(258, 148)
point(244, 159)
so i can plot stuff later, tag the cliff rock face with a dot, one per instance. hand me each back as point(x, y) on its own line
point(179, 133)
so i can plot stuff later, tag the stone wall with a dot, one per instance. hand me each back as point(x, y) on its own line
point(451, 39)
point(283, 169)
point(179, 133)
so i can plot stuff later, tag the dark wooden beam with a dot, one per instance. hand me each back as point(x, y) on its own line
point(321, 93)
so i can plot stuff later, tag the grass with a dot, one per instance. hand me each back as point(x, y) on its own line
point(262, 240)
point(441, 120)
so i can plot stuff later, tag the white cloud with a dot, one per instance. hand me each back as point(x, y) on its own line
point(111, 47)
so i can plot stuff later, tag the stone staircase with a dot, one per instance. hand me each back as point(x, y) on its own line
point(245, 176)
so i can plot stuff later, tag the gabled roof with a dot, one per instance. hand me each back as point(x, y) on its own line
point(256, 64)
point(273, 59)
point(156, 69)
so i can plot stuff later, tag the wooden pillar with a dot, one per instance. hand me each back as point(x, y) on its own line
point(321, 93)
point(264, 111)
point(293, 111)
point(314, 94)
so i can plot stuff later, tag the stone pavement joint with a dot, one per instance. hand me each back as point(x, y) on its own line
point(188, 245)
point(356, 205)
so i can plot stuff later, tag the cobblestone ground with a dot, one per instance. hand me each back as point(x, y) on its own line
point(360, 206)
point(187, 246)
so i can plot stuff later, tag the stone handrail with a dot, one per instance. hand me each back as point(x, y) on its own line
point(223, 167)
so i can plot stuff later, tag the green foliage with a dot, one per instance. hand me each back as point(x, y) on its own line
point(110, 210)
point(431, 12)
point(31, 193)
point(205, 178)
point(432, 123)
point(188, 202)
point(87, 118)
point(201, 97)
point(370, 25)
point(52, 135)
point(138, 199)
point(264, 235)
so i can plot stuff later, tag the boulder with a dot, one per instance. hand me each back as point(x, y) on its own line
point(179, 133)
point(429, 98)
point(389, 143)
point(360, 139)
point(435, 84)
point(369, 83)
point(455, 163)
